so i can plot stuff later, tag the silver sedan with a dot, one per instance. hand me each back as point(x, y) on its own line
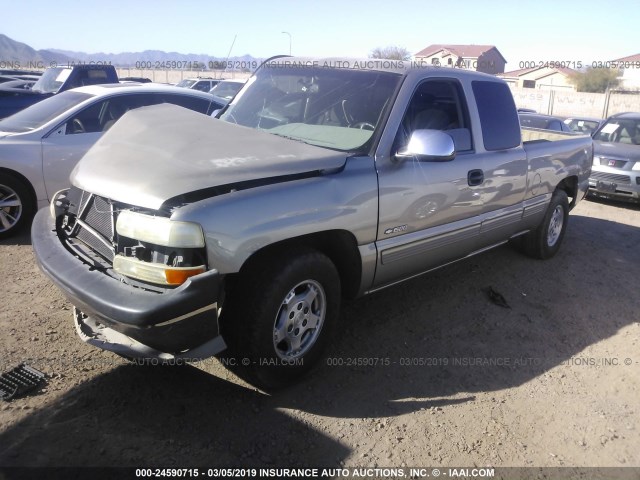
point(40, 145)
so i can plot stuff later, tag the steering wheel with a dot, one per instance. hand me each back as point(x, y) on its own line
point(363, 126)
point(78, 126)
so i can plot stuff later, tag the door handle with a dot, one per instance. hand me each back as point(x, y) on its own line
point(475, 177)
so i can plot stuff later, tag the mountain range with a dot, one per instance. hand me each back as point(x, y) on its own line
point(18, 55)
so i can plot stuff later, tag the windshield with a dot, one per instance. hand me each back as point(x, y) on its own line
point(51, 80)
point(185, 83)
point(334, 108)
point(620, 130)
point(42, 112)
point(582, 125)
point(226, 90)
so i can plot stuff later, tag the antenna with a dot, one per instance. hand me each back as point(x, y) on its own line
point(226, 62)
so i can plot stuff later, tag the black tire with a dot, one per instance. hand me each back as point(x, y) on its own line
point(544, 242)
point(300, 281)
point(16, 205)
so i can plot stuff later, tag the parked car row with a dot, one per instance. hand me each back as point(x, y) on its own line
point(583, 125)
point(616, 162)
point(545, 122)
point(203, 84)
point(223, 90)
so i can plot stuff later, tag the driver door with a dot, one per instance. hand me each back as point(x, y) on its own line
point(429, 210)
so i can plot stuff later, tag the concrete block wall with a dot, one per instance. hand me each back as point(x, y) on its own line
point(566, 104)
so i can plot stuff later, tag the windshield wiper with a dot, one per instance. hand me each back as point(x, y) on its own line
point(289, 137)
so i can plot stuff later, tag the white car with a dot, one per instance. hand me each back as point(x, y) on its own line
point(202, 84)
point(40, 146)
point(226, 90)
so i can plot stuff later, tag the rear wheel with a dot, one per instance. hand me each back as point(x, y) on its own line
point(16, 205)
point(280, 315)
point(545, 241)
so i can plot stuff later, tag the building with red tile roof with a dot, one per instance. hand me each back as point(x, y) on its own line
point(542, 78)
point(481, 58)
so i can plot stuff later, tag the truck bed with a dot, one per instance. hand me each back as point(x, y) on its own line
point(537, 134)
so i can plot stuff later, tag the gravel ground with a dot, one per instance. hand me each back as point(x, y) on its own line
point(426, 373)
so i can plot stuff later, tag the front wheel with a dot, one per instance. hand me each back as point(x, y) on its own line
point(280, 315)
point(16, 206)
point(544, 242)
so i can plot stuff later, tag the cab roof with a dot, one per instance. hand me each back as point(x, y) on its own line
point(400, 67)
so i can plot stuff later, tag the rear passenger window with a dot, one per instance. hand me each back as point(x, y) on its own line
point(498, 117)
point(199, 105)
point(118, 106)
point(555, 126)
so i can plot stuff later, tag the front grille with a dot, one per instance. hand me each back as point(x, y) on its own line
point(92, 241)
point(611, 177)
point(610, 162)
point(94, 224)
point(99, 216)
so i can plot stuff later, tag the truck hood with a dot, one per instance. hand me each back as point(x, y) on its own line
point(156, 153)
point(618, 151)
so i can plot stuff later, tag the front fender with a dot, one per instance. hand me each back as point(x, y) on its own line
point(238, 224)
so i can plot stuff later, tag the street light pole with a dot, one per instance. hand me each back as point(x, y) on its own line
point(289, 41)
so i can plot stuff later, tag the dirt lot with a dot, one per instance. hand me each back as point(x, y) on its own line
point(554, 380)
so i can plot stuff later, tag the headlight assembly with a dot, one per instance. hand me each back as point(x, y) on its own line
point(159, 230)
point(157, 249)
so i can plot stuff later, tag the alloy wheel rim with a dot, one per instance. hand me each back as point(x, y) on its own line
point(555, 226)
point(299, 320)
point(10, 208)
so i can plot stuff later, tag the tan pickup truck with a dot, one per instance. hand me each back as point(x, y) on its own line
point(185, 235)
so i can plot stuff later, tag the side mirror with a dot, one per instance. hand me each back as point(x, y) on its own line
point(60, 131)
point(428, 146)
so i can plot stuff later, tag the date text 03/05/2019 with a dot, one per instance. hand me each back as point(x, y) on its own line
point(354, 472)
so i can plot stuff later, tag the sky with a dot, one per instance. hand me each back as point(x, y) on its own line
point(547, 30)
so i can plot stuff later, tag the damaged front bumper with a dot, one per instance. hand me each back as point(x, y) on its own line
point(128, 320)
point(101, 336)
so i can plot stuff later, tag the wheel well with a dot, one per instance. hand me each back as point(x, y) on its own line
point(339, 245)
point(22, 179)
point(570, 186)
